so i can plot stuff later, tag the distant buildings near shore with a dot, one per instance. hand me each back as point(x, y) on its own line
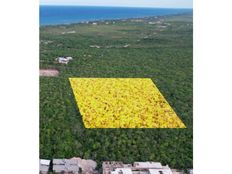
point(82, 166)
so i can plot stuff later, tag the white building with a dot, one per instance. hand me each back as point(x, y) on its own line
point(122, 171)
point(44, 166)
point(160, 171)
point(136, 168)
point(147, 165)
point(65, 165)
point(63, 60)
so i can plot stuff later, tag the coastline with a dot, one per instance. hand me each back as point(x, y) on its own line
point(113, 20)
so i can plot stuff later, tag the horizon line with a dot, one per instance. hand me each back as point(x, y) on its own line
point(114, 6)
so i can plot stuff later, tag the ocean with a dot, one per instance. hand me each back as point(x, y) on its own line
point(54, 15)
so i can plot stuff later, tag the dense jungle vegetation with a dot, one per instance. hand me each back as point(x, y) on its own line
point(160, 48)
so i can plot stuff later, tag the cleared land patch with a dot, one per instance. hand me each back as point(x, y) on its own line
point(48, 72)
point(123, 103)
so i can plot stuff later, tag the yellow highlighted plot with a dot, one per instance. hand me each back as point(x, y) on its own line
point(123, 103)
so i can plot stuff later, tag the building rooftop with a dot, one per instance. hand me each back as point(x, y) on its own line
point(44, 165)
point(137, 168)
point(65, 165)
point(147, 165)
point(122, 171)
point(160, 171)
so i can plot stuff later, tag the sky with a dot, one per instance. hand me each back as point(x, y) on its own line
point(126, 3)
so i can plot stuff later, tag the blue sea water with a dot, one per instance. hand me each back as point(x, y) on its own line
point(53, 15)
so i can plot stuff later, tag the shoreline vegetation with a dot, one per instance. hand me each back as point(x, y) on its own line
point(160, 48)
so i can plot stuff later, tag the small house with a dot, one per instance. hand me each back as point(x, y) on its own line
point(63, 60)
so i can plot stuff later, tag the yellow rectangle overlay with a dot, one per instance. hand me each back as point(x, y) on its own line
point(123, 103)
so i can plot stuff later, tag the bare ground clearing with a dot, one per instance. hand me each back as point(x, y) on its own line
point(48, 72)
